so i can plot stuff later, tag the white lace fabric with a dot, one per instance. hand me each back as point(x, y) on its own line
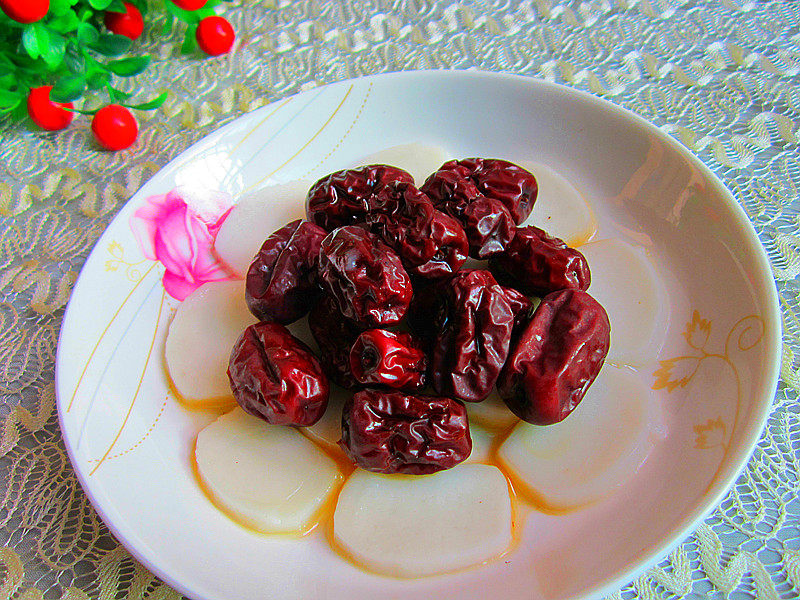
point(722, 77)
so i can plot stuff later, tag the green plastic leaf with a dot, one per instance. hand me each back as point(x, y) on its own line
point(117, 95)
point(98, 80)
point(35, 39)
point(100, 4)
point(150, 104)
point(65, 23)
point(53, 53)
point(87, 33)
point(189, 40)
point(9, 100)
point(168, 21)
point(74, 61)
point(82, 111)
point(68, 88)
point(127, 67)
point(112, 45)
point(59, 8)
point(117, 6)
point(7, 81)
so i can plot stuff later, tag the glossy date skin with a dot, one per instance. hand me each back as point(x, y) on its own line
point(281, 283)
point(347, 197)
point(522, 308)
point(430, 243)
point(489, 226)
point(472, 321)
point(335, 336)
point(275, 377)
point(393, 359)
point(394, 432)
point(364, 276)
point(488, 197)
point(536, 263)
point(556, 358)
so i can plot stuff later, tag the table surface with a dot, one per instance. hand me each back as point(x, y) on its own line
point(722, 77)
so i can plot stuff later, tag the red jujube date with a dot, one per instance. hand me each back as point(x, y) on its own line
point(395, 432)
point(489, 227)
point(275, 377)
point(452, 248)
point(536, 263)
point(473, 323)
point(430, 243)
point(364, 276)
point(556, 358)
point(393, 359)
point(281, 282)
point(522, 308)
point(346, 197)
point(488, 197)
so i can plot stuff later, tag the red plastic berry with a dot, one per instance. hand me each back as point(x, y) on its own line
point(46, 113)
point(25, 11)
point(114, 127)
point(215, 35)
point(130, 23)
point(189, 4)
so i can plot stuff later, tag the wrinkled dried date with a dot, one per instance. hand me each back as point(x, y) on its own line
point(365, 276)
point(489, 226)
point(522, 308)
point(511, 184)
point(556, 358)
point(394, 432)
point(393, 359)
point(335, 336)
point(430, 243)
point(452, 248)
point(473, 321)
point(537, 264)
point(274, 376)
point(488, 197)
point(401, 217)
point(281, 282)
point(346, 197)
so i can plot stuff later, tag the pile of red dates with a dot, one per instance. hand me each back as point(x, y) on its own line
point(377, 264)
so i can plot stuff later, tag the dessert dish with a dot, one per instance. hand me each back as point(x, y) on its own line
point(412, 393)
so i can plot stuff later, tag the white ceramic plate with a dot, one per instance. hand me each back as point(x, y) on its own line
point(130, 441)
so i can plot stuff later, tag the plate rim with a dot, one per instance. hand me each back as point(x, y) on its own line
point(719, 487)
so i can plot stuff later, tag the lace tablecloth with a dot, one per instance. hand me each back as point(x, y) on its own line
point(721, 76)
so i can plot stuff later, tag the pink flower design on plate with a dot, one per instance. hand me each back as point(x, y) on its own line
point(181, 237)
